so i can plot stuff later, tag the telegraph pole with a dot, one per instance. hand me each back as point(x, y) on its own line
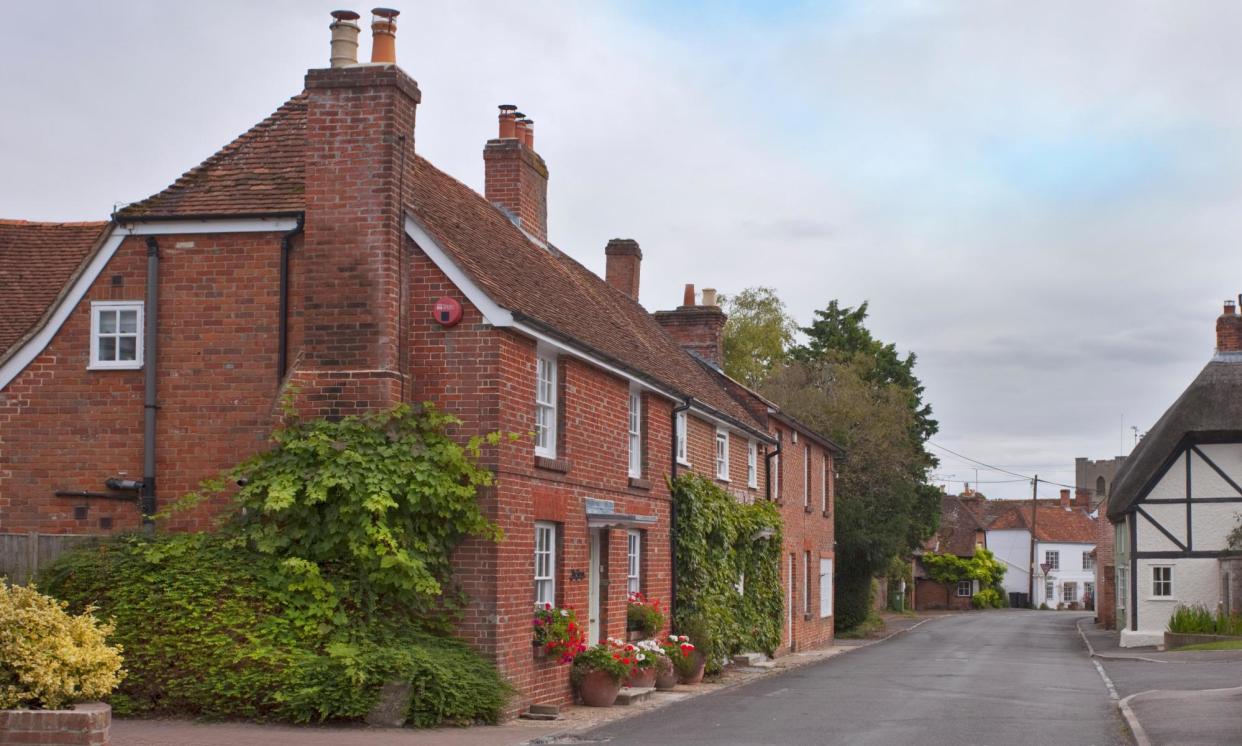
point(1030, 591)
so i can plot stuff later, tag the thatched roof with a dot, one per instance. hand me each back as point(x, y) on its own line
point(1208, 411)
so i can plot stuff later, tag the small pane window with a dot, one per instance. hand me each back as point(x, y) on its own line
point(1162, 582)
point(116, 334)
point(633, 578)
point(545, 406)
point(722, 454)
point(964, 588)
point(1088, 562)
point(545, 564)
point(636, 426)
point(682, 455)
point(1069, 593)
point(1050, 593)
point(1052, 558)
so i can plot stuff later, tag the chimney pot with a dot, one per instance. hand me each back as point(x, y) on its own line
point(709, 297)
point(519, 130)
point(687, 297)
point(1230, 308)
point(344, 38)
point(384, 36)
point(508, 121)
point(529, 140)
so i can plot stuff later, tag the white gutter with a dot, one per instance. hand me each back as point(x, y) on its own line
point(37, 343)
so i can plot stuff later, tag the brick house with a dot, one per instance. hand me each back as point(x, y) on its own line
point(961, 531)
point(318, 253)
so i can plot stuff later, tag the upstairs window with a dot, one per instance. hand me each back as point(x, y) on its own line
point(823, 495)
point(1052, 558)
point(1088, 562)
point(752, 464)
point(636, 440)
point(116, 335)
point(545, 407)
point(545, 563)
point(722, 455)
point(806, 476)
point(683, 456)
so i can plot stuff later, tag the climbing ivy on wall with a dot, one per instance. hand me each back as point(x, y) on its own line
point(720, 542)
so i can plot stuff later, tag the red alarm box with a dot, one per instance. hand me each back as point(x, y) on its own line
point(446, 312)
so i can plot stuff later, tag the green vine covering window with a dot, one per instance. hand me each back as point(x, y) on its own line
point(718, 541)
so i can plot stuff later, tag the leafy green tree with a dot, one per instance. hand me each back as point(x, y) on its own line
point(757, 335)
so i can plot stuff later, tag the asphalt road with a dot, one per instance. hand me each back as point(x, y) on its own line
point(1003, 677)
point(1132, 677)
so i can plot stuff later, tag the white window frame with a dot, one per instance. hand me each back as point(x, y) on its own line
point(722, 454)
point(1088, 562)
point(546, 405)
point(970, 588)
point(806, 476)
point(825, 587)
point(1050, 590)
point(636, 434)
point(115, 306)
point(1123, 588)
point(545, 548)
point(752, 464)
point(806, 583)
point(633, 561)
point(1052, 558)
point(1067, 588)
point(1156, 583)
point(683, 439)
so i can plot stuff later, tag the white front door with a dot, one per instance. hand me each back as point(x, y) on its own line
point(593, 605)
point(789, 602)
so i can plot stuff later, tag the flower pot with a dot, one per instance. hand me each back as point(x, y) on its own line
point(598, 689)
point(641, 678)
point(541, 649)
point(666, 675)
point(694, 672)
point(634, 635)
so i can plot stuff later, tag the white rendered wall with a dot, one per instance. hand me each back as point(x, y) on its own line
point(1013, 549)
point(1195, 581)
point(1071, 570)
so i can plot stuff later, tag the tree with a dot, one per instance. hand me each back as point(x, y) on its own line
point(757, 335)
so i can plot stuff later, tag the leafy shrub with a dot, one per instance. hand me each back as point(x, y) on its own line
point(718, 541)
point(209, 630)
point(643, 615)
point(1199, 620)
point(50, 658)
point(988, 598)
point(854, 595)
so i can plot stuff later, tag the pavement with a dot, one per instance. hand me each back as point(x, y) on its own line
point(1172, 697)
point(1009, 677)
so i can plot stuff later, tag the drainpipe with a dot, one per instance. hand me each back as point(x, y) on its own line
point(672, 510)
point(150, 358)
point(767, 467)
point(282, 352)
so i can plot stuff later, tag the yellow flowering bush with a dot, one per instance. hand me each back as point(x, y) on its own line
point(50, 658)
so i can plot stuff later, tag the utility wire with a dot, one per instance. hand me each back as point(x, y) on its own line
point(997, 468)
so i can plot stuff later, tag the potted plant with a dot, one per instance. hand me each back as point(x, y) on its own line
point(52, 661)
point(646, 654)
point(643, 618)
point(687, 660)
point(556, 632)
point(597, 674)
point(666, 674)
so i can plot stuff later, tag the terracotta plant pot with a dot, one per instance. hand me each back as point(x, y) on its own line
point(666, 675)
point(642, 678)
point(695, 671)
point(541, 649)
point(598, 689)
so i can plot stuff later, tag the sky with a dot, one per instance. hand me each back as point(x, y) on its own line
point(1039, 200)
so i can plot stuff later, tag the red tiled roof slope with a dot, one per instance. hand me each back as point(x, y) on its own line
point(262, 171)
point(36, 262)
point(958, 527)
point(1052, 523)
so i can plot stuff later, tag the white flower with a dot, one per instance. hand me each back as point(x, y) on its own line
point(564, 612)
point(641, 657)
point(672, 638)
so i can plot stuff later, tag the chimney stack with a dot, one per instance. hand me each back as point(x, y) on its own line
point(384, 36)
point(1082, 498)
point(623, 258)
point(1065, 500)
point(1229, 329)
point(344, 38)
point(698, 329)
point(515, 177)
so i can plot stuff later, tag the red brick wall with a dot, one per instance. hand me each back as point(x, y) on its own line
point(517, 178)
point(1105, 578)
point(807, 529)
point(88, 724)
point(70, 428)
point(930, 594)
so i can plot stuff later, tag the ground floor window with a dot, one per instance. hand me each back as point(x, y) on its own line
point(825, 587)
point(1069, 593)
point(1088, 590)
point(964, 589)
point(1162, 581)
point(1050, 593)
point(634, 545)
point(545, 563)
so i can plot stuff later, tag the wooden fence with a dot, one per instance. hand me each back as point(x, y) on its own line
point(23, 555)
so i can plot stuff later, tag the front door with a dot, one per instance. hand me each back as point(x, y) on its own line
point(593, 600)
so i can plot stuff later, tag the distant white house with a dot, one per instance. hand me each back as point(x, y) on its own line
point(1178, 496)
point(1064, 540)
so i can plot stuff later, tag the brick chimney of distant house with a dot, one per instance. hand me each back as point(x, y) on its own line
point(624, 260)
point(697, 328)
point(1082, 498)
point(1229, 329)
point(1065, 499)
point(515, 177)
point(359, 137)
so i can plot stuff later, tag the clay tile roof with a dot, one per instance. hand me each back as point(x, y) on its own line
point(37, 261)
point(1052, 523)
point(261, 172)
point(958, 527)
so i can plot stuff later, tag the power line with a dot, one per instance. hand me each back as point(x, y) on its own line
point(997, 468)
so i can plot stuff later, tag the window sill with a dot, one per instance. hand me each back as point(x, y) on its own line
point(1160, 598)
point(806, 509)
point(114, 367)
point(683, 463)
point(552, 464)
point(722, 479)
point(639, 483)
point(827, 514)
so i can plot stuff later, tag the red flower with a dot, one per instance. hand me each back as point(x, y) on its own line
point(547, 606)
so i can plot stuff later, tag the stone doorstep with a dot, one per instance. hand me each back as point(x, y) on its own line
point(631, 695)
point(542, 712)
point(750, 659)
